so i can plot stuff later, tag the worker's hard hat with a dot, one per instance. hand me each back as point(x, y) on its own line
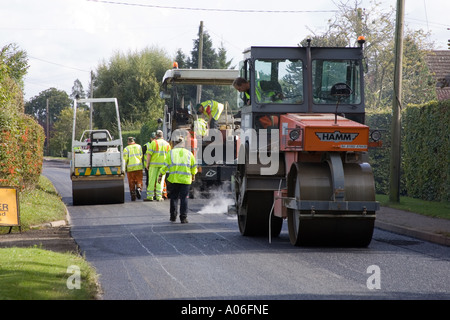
point(153, 135)
point(159, 133)
point(130, 139)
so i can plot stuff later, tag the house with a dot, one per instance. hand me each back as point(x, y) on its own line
point(439, 64)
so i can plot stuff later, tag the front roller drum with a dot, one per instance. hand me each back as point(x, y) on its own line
point(333, 232)
point(97, 190)
point(313, 182)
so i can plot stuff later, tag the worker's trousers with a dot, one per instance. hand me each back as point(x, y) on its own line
point(134, 182)
point(154, 189)
point(179, 191)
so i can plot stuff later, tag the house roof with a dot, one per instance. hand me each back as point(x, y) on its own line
point(439, 63)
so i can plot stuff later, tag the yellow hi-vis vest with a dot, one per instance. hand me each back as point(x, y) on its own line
point(257, 92)
point(144, 158)
point(132, 155)
point(201, 127)
point(158, 150)
point(212, 109)
point(181, 166)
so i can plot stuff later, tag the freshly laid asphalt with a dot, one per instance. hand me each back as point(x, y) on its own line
point(414, 225)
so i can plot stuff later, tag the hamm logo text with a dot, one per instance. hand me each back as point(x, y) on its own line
point(336, 136)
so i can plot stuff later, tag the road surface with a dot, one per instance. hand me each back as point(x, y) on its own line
point(140, 254)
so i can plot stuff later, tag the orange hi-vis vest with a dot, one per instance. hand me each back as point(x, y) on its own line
point(158, 150)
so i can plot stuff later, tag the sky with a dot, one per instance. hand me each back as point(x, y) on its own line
point(67, 39)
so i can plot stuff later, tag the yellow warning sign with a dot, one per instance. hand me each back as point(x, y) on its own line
point(9, 207)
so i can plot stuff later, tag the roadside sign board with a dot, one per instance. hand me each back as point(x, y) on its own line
point(9, 207)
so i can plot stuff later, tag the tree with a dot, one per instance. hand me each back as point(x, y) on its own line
point(134, 79)
point(210, 59)
point(77, 90)
point(37, 106)
point(418, 82)
point(78, 93)
point(61, 137)
point(16, 61)
point(378, 27)
point(222, 61)
point(13, 67)
point(180, 58)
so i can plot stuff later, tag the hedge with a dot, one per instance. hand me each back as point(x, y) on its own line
point(379, 158)
point(21, 139)
point(21, 153)
point(425, 168)
point(427, 151)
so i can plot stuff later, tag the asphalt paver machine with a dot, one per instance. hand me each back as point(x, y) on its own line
point(216, 152)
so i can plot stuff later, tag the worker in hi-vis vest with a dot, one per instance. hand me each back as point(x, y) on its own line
point(212, 110)
point(242, 85)
point(144, 156)
point(132, 156)
point(181, 167)
point(265, 91)
point(200, 127)
point(156, 153)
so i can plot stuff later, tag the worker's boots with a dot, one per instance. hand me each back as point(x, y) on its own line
point(138, 193)
point(183, 219)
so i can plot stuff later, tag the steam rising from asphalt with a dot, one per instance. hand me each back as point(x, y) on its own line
point(218, 202)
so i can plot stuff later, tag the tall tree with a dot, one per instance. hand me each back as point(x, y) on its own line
point(134, 79)
point(61, 137)
point(210, 59)
point(37, 106)
point(13, 68)
point(16, 61)
point(78, 93)
point(377, 26)
point(77, 90)
point(222, 61)
point(181, 59)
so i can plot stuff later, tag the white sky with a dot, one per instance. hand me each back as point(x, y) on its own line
point(66, 39)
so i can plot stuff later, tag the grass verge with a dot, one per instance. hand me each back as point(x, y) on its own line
point(37, 274)
point(426, 208)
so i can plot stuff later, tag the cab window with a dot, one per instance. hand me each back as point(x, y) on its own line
point(279, 81)
point(327, 73)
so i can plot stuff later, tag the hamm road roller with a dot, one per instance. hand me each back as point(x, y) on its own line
point(304, 146)
point(96, 167)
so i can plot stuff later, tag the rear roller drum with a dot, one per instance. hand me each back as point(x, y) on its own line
point(253, 215)
point(253, 206)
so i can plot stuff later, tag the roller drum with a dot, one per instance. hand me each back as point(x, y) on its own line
point(255, 199)
point(314, 182)
point(88, 191)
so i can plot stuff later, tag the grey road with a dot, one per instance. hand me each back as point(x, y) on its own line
point(141, 255)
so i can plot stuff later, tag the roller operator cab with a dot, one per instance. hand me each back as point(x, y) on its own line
point(303, 147)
